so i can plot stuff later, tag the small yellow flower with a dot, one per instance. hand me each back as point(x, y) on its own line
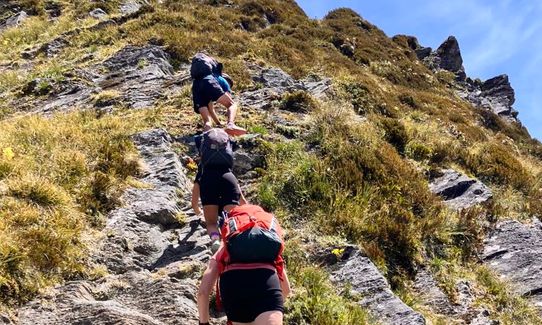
point(8, 153)
point(338, 252)
point(192, 166)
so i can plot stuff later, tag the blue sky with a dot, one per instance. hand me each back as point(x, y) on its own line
point(496, 37)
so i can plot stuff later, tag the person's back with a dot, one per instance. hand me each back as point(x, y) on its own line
point(208, 87)
point(253, 282)
point(215, 183)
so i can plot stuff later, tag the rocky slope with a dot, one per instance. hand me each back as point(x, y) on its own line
point(153, 249)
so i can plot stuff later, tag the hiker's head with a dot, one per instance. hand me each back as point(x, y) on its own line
point(228, 79)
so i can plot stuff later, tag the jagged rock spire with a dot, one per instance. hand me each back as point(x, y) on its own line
point(450, 55)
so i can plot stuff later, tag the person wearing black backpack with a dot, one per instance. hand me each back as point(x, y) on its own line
point(210, 86)
point(215, 184)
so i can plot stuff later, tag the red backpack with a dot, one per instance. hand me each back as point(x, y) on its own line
point(251, 235)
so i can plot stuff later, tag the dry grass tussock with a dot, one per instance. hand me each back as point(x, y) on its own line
point(58, 176)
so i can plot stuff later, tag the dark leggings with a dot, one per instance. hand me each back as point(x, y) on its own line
point(246, 294)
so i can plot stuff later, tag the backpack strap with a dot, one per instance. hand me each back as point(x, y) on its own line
point(279, 266)
point(222, 259)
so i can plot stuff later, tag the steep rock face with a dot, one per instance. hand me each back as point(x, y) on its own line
point(463, 310)
point(449, 56)
point(376, 295)
point(458, 190)
point(138, 74)
point(446, 57)
point(276, 83)
point(153, 259)
point(135, 77)
point(495, 94)
point(514, 251)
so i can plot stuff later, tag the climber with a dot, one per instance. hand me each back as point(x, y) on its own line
point(252, 281)
point(209, 85)
point(215, 183)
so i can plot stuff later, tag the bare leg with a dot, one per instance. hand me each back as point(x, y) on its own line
point(267, 318)
point(205, 116)
point(195, 198)
point(213, 114)
point(210, 213)
point(242, 199)
point(228, 102)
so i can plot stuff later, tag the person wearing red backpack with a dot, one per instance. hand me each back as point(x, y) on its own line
point(248, 270)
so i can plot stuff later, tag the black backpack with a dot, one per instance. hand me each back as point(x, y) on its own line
point(204, 65)
point(216, 149)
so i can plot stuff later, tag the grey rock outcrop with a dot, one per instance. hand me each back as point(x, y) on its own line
point(450, 55)
point(431, 295)
point(98, 13)
point(132, 298)
point(495, 94)
point(135, 233)
point(245, 162)
point(446, 57)
point(137, 74)
point(463, 310)
point(421, 52)
point(14, 20)
point(514, 251)
point(458, 190)
point(130, 7)
point(153, 258)
point(275, 83)
point(364, 279)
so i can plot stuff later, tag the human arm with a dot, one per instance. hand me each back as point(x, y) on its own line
point(285, 284)
point(206, 287)
point(242, 199)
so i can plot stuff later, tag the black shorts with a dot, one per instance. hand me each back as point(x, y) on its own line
point(246, 294)
point(219, 187)
point(204, 91)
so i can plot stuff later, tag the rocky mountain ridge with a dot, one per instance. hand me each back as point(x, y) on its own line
point(495, 94)
point(154, 248)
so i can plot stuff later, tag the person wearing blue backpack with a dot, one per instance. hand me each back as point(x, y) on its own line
point(215, 184)
point(210, 86)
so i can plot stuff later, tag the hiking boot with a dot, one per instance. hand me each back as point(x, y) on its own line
point(215, 245)
point(234, 130)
